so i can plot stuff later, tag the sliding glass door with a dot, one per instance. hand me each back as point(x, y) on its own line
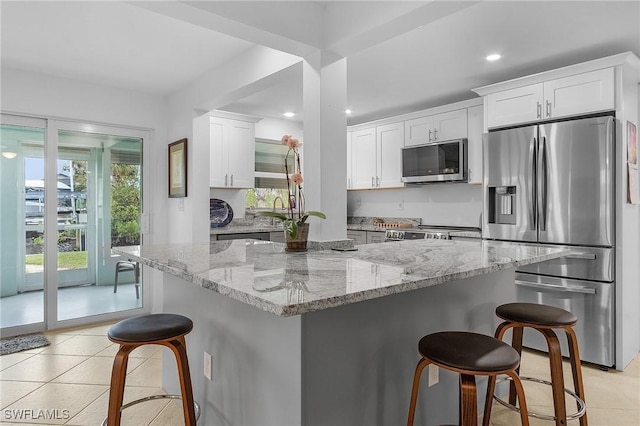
point(69, 193)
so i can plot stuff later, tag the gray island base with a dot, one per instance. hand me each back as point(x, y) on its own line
point(326, 337)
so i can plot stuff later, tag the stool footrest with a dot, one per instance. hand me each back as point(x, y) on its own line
point(152, 398)
point(582, 408)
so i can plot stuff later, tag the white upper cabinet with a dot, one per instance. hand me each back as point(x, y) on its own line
point(232, 153)
point(579, 94)
point(439, 127)
point(376, 157)
point(474, 144)
point(573, 95)
point(363, 158)
point(520, 105)
point(389, 142)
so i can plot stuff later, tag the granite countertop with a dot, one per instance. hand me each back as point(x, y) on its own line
point(263, 275)
point(466, 234)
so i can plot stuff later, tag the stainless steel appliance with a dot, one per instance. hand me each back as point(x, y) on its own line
point(444, 161)
point(553, 184)
point(424, 232)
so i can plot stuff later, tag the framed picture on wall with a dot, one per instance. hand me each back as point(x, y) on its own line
point(178, 169)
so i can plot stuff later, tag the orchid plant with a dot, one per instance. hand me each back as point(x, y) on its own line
point(296, 214)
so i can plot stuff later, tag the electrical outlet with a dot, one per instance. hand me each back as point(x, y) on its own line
point(434, 375)
point(401, 205)
point(207, 365)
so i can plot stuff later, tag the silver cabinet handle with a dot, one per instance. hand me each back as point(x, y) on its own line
point(373, 182)
point(435, 135)
point(539, 109)
point(429, 135)
point(560, 288)
point(231, 180)
point(377, 181)
point(578, 255)
point(348, 183)
point(548, 109)
point(226, 180)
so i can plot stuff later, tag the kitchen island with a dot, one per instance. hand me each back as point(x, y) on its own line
point(327, 337)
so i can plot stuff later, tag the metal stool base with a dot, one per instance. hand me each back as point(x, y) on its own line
point(154, 397)
point(582, 408)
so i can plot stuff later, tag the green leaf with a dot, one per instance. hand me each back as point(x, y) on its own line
point(292, 228)
point(312, 213)
point(277, 215)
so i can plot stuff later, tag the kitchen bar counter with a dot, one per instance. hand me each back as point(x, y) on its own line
point(246, 229)
point(252, 272)
point(325, 337)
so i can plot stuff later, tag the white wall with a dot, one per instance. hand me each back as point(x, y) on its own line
point(449, 204)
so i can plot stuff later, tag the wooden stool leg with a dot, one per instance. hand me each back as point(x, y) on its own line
point(414, 390)
point(524, 416)
point(491, 383)
point(179, 348)
point(576, 370)
point(116, 392)
point(468, 401)
point(516, 343)
point(557, 378)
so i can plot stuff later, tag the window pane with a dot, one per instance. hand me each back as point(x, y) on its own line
point(270, 157)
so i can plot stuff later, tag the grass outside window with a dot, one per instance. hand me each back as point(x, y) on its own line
point(66, 260)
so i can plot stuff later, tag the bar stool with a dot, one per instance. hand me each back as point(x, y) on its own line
point(545, 319)
point(468, 354)
point(154, 329)
point(125, 266)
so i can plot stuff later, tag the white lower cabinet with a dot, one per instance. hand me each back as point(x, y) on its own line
point(375, 237)
point(358, 237)
point(232, 153)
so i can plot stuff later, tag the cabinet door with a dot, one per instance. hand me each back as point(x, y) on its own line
point(375, 237)
point(218, 157)
point(579, 94)
point(358, 237)
point(450, 125)
point(241, 154)
point(390, 139)
point(418, 131)
point(363, 158)
point(349, 168)
point(474, 144)
point(520, 105)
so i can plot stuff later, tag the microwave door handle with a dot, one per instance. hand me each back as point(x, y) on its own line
point(532, 192)
point(558, 288)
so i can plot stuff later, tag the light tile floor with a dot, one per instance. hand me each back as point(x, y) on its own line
point(73, 374)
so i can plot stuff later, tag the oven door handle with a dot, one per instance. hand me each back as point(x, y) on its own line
point(559, 288)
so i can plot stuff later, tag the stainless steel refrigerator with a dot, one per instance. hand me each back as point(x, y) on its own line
point(553, 185)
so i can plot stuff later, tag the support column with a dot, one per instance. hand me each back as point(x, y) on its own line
point(325, 145)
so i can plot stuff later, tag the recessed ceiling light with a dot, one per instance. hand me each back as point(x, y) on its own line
point(289, 114)
point(493, 57)
point(9, 154)
point(347, 111)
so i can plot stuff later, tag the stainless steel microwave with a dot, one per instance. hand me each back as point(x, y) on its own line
point(444, 161)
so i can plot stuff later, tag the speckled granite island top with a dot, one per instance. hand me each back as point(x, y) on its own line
point(263, 275)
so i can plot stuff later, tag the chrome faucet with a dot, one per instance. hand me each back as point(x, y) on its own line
point(275, 200)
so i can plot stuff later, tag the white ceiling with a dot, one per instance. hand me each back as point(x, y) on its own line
point(401, 56)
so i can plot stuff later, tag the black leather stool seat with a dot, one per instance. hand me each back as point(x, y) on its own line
point(148, 328)
point(469, 351)
point(533, 313)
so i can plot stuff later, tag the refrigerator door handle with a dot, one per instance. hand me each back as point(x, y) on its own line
point(559, 288)
point(542, 185)
point(532, 193)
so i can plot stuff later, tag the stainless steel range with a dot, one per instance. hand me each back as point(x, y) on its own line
point(423, 232)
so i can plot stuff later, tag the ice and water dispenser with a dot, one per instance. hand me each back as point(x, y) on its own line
point(502, 205)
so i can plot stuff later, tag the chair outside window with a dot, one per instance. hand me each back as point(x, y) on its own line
point(128, 266)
